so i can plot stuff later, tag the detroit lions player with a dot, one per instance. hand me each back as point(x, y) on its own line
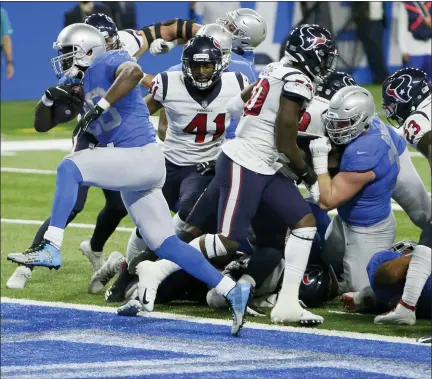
point(361, 191)
point(128, 160)
point(407, 100)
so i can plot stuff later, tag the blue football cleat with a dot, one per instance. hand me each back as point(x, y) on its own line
point(238, 299)
point(45, 255)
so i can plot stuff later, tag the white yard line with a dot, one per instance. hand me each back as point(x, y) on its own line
point(28, 171)
point(71, 225)
point(201, 320)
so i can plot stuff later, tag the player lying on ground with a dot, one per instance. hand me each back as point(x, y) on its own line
point(119, 119)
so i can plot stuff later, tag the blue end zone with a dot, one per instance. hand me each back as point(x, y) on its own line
point(48, 342)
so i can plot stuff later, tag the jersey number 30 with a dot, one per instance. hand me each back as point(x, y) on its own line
point(198, 126)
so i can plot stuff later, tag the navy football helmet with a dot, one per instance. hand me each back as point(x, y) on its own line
point(107, 27)
point(402, 92)
point(202, 62)
point(311, 48)
point(319, 285)
point(333, 83)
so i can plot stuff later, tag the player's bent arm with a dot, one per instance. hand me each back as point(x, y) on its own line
point(146, 81)
point(335, 192)
point(286, 127)
point(43, 120)
point(127, 77)
point(236, 104)
point(163, 125)
point(152, 105)
point(392, 272)
point(424, 146)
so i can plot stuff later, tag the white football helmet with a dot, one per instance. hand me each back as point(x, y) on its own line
point(78, 45)
point(221, 35)
point(247, 27)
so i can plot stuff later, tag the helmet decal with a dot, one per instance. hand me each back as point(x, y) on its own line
point(309, 40)
point(400, 88)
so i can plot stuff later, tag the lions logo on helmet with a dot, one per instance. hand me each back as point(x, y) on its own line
point(309, 40)
point(400, 88)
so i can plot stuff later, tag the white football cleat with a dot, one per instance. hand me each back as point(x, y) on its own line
point(19, 278)
point(147, 285)
point(109, 269)
point(283, 312)
point(95, 257)
point(400, 315)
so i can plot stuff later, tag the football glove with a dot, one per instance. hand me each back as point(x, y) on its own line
point(87, 119)
point(206, 168)
point(59, 92)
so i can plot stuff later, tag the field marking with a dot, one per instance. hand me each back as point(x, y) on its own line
point(28, 171)
point(71, 225)
point(201, 320)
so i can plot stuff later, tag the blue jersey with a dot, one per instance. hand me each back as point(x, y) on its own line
point(372, 151)
point(399, 141)
point(393, 293)
point(126, 123)
point(234, 66)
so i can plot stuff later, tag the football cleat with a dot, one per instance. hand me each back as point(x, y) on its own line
point(147, 285)
point(44, 255)
point(425, 339)
point(238, 299)
point(19, 278)
point(400, 315)
point(109, 269)
point(131, 307)
point(283, 313)
point(95, 257)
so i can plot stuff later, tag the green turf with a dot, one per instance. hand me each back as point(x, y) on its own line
point(27, 196)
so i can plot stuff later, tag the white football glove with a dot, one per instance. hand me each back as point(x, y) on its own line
point(314, 191)
point(160, 46)
point(320, 149)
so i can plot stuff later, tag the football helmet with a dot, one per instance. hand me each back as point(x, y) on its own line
point(78, 45)
point(107, 27)
point(202, 62)
point(402, 92)
point(319, 285)
point(349, 113)
point(247, 27)
point(333, 83)
point(221, 35)
point(403, 245)
point(311, 48)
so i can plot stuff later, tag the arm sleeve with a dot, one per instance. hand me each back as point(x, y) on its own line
point(6, 28)
point(115, 60)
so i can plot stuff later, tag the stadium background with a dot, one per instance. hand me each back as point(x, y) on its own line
point(37, 24)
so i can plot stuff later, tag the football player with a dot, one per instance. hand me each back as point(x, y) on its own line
point(251, 160)
point(361, 191)
point(407, 100)
point(119, 119)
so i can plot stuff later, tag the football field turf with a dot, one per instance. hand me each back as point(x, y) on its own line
point(27, 187)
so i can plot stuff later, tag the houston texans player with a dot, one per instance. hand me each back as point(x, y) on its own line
point(119, 119)
point(361, 191)
point(268, 131)
point(407, 100)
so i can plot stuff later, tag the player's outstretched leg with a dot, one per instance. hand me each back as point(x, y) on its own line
point(47, 253)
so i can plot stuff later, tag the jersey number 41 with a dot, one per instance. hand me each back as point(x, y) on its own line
point(198, 126)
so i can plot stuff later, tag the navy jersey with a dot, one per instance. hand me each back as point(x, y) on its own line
point(393, 293)
point(372, 151)
point(126, 123)
point(234, 66)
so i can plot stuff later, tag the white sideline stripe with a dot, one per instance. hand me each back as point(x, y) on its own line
point(201, 320)
point(28, 171)
point(71, 225)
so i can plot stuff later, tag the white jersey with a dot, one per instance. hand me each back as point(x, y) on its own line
point(131, 41)
point(197, 120)
point(312, 118)
point(254, 146)
point(418, 123)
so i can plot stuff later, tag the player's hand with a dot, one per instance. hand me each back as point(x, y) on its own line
point(314, 191)
point(58, 92)
point(160, 46)
point(206, 168)
point(320, 147)
point(87, 119)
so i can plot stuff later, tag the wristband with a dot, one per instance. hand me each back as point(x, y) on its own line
point(103, 104)
point(47, 102)
point(320, 164)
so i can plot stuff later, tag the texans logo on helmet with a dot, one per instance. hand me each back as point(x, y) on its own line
point(216, 43)
point(400, 88)
point(309, 40)
point(311, 271)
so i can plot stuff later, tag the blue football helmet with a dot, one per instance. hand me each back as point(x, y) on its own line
point(107, 27)
point(202, 62)
point(333, 83)
point(402, 92)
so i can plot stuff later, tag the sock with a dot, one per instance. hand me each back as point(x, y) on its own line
point(55, 236)
point(419, 271)
point(164, 269)
point(225, 285)
point(68, 181)
point(135, 246)
point(297, 250)
point(178, 224)
point(190, 260)
point(107, 221)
